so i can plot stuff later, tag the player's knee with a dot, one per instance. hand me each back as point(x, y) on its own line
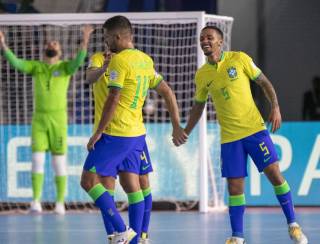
point(87, 183)
point(274, 175)
point(130, 186)
point(236, 186)
point(144, 181)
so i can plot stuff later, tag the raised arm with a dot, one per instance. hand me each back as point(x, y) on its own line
point(178, 134)
point(74, 64)
point(268, 89)
point(94, 72)
point(22, 65)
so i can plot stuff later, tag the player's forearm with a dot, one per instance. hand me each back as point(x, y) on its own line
point(4, 46)
point(93, 75)
point(268, 90)
point(195, 115)
point(75, 64)
point(84, 45)
point(171, 102)
point(14, 61)
point(172, 107)
point(108, 110)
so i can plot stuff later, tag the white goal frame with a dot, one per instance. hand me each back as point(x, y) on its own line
point(156, 17)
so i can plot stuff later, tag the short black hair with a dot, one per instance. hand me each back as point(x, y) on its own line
point(215, 28)
point(118, 22)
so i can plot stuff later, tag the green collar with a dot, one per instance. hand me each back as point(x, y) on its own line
point(216, 64)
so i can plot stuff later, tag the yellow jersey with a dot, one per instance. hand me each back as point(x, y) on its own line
point(100, 87)
point(133, 72)
point(228, 84)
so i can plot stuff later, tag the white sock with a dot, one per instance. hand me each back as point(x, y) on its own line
point(38, 160)
point(59, 164)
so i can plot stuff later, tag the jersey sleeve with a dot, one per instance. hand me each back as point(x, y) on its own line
point(155, 80)
point(201, 94)
point(251, 70)
point(96, 61)
point(25, 66)
point(73, 65)
point(117, 71)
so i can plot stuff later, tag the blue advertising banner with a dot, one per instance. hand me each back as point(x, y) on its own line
point(176, 169)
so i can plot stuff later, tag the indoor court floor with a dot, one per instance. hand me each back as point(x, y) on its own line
point(262, 226)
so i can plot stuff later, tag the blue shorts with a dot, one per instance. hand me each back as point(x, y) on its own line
point(114, 153)
point(144, 167)
point(234, 155)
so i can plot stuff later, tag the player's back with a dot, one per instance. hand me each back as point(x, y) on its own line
point(133, 72)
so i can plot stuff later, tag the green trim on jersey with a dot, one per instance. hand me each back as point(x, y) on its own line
point(198, 101)
point(256, 77)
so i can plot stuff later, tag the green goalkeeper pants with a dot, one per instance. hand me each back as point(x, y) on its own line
point(49, 132)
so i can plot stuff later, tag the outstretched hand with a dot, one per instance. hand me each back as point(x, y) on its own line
point(179, 136)
point(2, 40)
point(275, 118)
point(87, 30)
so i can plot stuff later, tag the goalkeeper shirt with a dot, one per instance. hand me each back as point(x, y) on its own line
point(228, 84)
point(51, 81)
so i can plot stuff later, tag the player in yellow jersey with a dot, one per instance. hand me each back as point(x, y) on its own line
point(97, 75)
point(226, 77)
point(51, 79)
point(119, 138)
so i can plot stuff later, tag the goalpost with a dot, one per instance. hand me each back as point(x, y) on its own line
point(190, 173)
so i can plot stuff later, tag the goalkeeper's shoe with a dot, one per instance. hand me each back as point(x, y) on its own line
point(144, 238)
point(35, 207)
point(124, 237)
point(235, 240)
point(60, 208)
point(296, 234)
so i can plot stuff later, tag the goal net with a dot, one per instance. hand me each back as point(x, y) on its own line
point(172, 40)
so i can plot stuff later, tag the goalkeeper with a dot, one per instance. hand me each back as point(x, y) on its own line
point(49, 121)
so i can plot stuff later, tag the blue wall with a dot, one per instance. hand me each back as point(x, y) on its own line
point(176, 169)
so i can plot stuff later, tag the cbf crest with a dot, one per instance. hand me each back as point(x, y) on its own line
point(232, 72)
point(56, 73)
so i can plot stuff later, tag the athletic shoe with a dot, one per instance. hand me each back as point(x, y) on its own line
point(35, 207)
point(144, 239)
point(296, 234)
point(235, 240)
point(110, 239)
point(124, 237)
point(60, 208)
